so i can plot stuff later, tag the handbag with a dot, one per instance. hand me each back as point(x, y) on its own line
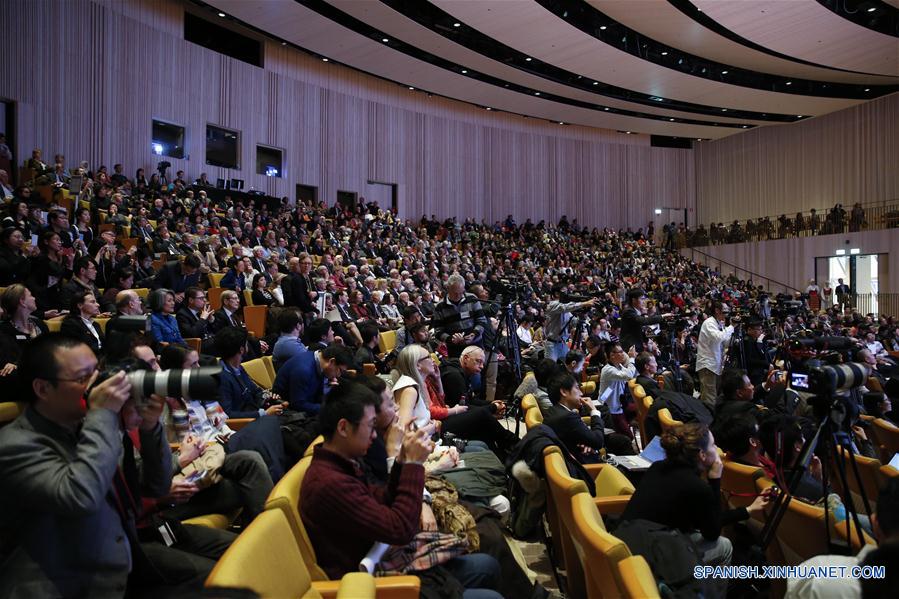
point(452, 517)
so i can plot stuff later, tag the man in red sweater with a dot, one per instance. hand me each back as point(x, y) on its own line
point(345, 516)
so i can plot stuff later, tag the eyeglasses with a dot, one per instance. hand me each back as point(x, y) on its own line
point(82, 380)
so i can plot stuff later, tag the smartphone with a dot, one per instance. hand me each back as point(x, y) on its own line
point(196, 476)
point(799, 381)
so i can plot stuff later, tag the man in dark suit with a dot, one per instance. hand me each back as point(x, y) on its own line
point(843, 293)
point(633, 320)
point(646, 371)
point(564, 417)
point(230, 316)
point(179, 276)
point(195, 318)
point(79, 323)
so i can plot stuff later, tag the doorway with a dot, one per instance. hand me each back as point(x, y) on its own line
point(860, 271)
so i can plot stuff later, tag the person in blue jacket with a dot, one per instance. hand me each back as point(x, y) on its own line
point(305, 378)
point(239, 396)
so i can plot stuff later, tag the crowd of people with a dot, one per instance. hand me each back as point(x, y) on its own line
point(803, 224)
point(468, 304)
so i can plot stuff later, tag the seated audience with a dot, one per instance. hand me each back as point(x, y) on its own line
point(345, 518)
point(239, 396)
point(689, 480)
point(163, 323)
point(307, 377)
point(80, 324)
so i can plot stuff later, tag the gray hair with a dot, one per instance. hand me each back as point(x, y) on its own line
point(455, 279)
point(407, 364)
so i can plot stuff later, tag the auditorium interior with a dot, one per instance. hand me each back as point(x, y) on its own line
point(533, 299)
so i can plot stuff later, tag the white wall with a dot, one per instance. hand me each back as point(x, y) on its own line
point(792, 261)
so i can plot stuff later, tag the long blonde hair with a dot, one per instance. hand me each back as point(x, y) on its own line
point(407, 364)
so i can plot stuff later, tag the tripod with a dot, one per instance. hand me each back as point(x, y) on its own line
point(834, 441)
point(509, 323)
point(736, 353)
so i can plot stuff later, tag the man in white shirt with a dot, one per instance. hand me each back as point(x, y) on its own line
point(713, 337)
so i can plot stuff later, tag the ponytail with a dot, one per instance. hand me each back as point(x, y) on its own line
point(684, 442)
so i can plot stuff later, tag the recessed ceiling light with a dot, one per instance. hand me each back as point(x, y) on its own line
point(872, 9)
point(536, 93)
point(799, 116)
point(606, 108)
point(724, 110)
point(283, 43)
point(324, 60)
point(628, 132)
point(221, 14)
point(457, 24)
point(412, 88)
point(746, 126)
point(385, 40)
point(596, 83)
point(672, 120)
point(464, 71)
point(789, 83)
point(698, 139)
point(867, 89)
point(724, 72)
point(561, 122)
point(528, 59)
point(488, 108)
point(602, 27)
point(665, 53)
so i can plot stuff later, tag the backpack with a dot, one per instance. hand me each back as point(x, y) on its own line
point(298, 430)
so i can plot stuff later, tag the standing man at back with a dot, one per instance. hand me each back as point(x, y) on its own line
point(713, 337)
point(633, 321)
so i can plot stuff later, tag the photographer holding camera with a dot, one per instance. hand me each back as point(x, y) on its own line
point(69, 494)
point(555, 328)
point(713, 337)
point(633, 320)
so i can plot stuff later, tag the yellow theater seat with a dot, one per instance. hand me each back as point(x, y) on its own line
point(637, 579)
point(601, 552)
point(528, 402)
point(258, 372)
point(387, 341)
point(266, 559)
point(532, 418)
point(215, 278)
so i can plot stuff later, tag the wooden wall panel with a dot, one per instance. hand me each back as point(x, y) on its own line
point(847, 156)
point(103, 69)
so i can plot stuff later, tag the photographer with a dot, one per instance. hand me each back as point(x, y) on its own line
point(67, 509)
point(713, 336)
point(557, 318)
point(633, 320)
point(757, 363)
point(459, 319)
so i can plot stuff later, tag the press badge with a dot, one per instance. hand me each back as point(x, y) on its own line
point(465, 315)
point(165, 531)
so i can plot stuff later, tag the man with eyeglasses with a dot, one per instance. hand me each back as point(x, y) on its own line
point(302, 290)
point(195, 317)
point(69, 491)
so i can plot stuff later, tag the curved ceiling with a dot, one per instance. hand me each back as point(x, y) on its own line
point(644, 66)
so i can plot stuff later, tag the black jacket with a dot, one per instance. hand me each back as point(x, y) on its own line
point(573, 432)
point(530, 450)
point(191, 325)
point(632, 328)
point(757, 363)
point(73, 326)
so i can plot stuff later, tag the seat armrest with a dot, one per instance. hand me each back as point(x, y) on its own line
point(236, 424)
point(386, 587)
point(611, 505)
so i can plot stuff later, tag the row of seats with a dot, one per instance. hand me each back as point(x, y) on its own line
point(280, 532)
point(597, 564)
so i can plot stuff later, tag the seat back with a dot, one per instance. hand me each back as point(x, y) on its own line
point(254, 317)
point(637, 579)
point(868, 472)
point(258, 372)
point(643, 403)
point(214, 294)
point(215, 279)
point(562, 487)
point(667, 421)
point(532, 418)
point(315, 443)
point(10, 410)
point(738, 483)
point(888, 437)
point(611, 482)
point(596, 547)
point(248, 297)
point(54, 325)
point(528, 402)
point(285, 496)
point(266, 559)
point(195, 343)
point(270, 366)
point(801, 533)
point(386, 341)
point(142, 292)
